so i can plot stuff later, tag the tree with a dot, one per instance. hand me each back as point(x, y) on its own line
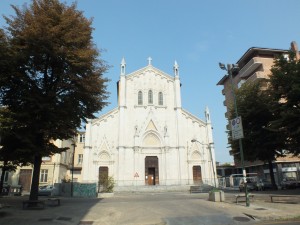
point(7, 164)
point(57, 81)
point(285, 89)
point(259, 142)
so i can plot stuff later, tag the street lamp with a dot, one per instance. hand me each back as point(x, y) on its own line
point(233, 69)
point(212, 161)
point(74, 145)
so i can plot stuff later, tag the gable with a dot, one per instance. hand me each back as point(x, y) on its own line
point(111, 115)
point(150, 71)
point(151, 126)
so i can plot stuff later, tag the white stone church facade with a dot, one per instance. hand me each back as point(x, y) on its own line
point(146, 140)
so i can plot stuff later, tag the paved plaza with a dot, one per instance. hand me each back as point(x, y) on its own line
point(159, 208)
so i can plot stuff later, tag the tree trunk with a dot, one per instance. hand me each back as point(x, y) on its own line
point(35, 178)
point(272, 174)
point(2, 176)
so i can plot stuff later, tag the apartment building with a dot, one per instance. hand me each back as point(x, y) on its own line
point(256, 63)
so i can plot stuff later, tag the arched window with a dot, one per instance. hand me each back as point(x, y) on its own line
point(160, 98)
point(150, 97)
point(140, 98)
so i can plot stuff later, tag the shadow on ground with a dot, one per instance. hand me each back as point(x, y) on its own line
point(12, 211)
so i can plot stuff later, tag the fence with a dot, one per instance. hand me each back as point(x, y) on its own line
point(233, 181)
point(79, 189)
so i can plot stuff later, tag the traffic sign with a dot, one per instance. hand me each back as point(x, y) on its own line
point(136, 174)
point(237, 128)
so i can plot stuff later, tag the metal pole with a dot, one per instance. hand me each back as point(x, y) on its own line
point(229, 70)
point(72, 169)
point(53, 174)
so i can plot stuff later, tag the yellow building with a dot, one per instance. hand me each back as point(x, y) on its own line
point(54, 169)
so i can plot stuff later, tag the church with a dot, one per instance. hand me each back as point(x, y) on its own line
point(149, 139)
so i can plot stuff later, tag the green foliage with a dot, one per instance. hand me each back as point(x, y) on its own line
point(107, 183)
point(260, 142)
point(255, 107)
point(226, 164)
point(57, 81)
point(215, 190)
point(11, 146)
point(12, 142)
point(285, 89)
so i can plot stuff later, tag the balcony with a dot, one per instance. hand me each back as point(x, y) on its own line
point(258, 75)
point(226, 115)
point(224, 102)
point(228, 127)
point(250, 67)
point(223, 92)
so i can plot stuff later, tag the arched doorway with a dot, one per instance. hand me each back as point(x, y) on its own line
point(151, 170)
point(197, 177)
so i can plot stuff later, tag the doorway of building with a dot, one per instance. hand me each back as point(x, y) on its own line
point(151, 170)
point(103, 178)
point(25, 179)
point(197, 177)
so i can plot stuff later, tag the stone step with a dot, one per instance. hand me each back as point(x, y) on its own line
point(152, 188)
point(203, 188)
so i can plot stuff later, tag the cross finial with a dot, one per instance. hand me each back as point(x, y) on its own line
point(176, 68)
point(123, 66)
point(149, 60)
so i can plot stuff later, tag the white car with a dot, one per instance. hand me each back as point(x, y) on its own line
point(46, 190)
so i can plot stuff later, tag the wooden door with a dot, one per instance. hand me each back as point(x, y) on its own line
point(197, 177)
point(150, 179)
point(151, 170)
point(103, 171)
point(151, 176)
point(25, 179)
point(102, 180)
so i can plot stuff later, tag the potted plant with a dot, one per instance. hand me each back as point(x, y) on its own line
point(106, 186)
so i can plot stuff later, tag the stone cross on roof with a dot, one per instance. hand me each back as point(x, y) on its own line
point(149, 60)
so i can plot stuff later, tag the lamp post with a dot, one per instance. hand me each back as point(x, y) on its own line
point(212, 161)
point(74, 145)
point(233, 69)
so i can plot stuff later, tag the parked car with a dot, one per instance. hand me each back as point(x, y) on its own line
point(46, 190)
point(264, 184)
point(5, 189)
point(251, 185)
point(289, 183)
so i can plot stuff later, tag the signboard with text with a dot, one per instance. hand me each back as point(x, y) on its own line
point(237, 128)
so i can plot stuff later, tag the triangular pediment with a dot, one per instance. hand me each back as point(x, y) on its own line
point(151, 126)
point(104, 147)
point(150, 70)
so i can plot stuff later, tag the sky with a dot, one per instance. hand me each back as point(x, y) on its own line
point(197, 34)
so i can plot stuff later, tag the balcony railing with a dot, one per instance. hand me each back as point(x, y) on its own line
point(250, 67)
point(257, 75)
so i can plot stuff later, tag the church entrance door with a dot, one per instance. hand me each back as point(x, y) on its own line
point(151, 176)
point(197, 177)
point(151, 170)
point(103, 177)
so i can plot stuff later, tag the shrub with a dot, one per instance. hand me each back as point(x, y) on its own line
point(106, 184)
